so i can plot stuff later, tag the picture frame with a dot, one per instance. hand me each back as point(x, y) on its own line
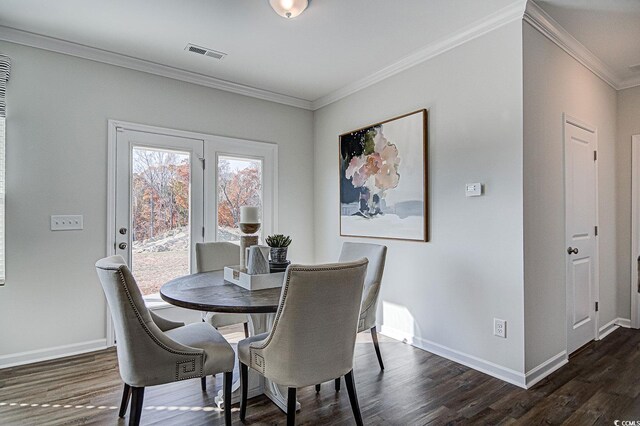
point(383, 179)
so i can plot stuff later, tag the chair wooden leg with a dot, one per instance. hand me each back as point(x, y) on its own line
point(203, 383)
point(244, 375)
point(374, 337)
point(137, 398)
point(126, 395)
point(291, 407)
point(337, 384)
point(246, 329)
point(226, 385)
point(317, 388)
point(353, 397)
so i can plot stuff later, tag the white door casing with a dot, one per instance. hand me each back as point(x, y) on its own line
point(580, 148)
point(635, 231)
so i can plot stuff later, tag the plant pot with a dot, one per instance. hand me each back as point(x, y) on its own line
point(279, 254)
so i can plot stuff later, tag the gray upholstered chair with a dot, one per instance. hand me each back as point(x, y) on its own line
point(314, 333)
point(214, 257)
point(154, 351)
point(376, 254)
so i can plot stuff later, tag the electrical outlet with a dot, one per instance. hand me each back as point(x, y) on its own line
point(500, 328)
point(66, 222)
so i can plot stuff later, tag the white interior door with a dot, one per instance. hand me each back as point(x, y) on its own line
point(580, 142)
point(159, 209)
point(635, 232)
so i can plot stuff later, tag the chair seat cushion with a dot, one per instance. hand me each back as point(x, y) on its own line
point(243, 347)
point(217, 319)
point(219, 355)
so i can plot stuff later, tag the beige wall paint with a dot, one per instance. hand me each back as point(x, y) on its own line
point(58, 107)
point(628, 125)
point(448, 291)
point(555, 83)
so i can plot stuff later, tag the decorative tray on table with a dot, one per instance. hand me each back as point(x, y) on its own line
point(238, 276)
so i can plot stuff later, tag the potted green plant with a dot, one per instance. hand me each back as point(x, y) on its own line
point(278, 244)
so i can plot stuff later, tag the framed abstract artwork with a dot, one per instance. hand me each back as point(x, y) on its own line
point(383, 179)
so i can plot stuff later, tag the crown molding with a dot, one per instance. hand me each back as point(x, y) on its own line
point(527, 10)
point(479, 28)
point(551, 29)
point(629, 83)
point(99, 55)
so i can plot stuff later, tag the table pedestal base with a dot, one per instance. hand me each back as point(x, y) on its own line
point(258, 385)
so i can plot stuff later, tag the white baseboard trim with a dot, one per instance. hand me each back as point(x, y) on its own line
point(538, 373)
point(612, 326)
point(28, 357)
point(608, 328)
point(503, 373)
point(624, 322)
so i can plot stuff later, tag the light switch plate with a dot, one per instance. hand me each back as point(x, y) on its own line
point(473, 189)
point(67, 222)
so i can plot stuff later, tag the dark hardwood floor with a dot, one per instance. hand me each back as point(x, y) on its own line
point(599, 385)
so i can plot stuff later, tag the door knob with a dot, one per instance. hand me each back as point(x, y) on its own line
point(572, 250)
point(122, 246)
point(122, 231)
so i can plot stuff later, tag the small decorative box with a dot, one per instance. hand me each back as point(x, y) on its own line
point(239, 277)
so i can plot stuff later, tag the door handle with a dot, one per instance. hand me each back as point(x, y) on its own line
point(572, 250)
point(122, 246)
point(638, 274)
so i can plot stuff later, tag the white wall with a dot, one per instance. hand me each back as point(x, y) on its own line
point(554, 83)
point(628, 125)
point(58, 107)
point(446, 292)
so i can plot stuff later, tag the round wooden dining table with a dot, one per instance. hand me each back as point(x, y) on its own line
point(208, 291)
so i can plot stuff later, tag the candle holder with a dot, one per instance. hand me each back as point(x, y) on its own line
point(249, 239)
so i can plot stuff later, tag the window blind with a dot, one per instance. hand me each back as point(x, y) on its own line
point(5, 68)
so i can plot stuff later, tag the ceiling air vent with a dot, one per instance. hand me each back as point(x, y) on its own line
point(204, 51)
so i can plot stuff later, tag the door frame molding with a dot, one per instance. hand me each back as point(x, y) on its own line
point(112, 129)
point(635, 210)
point(569, 119)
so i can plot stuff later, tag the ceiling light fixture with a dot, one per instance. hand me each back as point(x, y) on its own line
point(289, 8)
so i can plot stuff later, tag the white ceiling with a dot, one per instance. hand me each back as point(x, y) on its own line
point(331, 45)
point(608, 28)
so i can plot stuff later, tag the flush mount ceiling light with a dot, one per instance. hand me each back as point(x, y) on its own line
point(289, 8)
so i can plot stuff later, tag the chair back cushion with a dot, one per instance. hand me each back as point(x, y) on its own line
point(376, 254)
point(314, 333)
point(215, 256)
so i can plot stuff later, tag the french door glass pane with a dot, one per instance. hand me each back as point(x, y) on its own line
point(239, 184)
point(160, 203)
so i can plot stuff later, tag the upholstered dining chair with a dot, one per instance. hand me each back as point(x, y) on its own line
point(313, 335)
point(154, 351)
point(214, 257)
point(376, 254)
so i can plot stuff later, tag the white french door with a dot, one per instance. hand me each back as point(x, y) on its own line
point(237, 173)
point(171, 189)
point(580, 145)
point(159, 208)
